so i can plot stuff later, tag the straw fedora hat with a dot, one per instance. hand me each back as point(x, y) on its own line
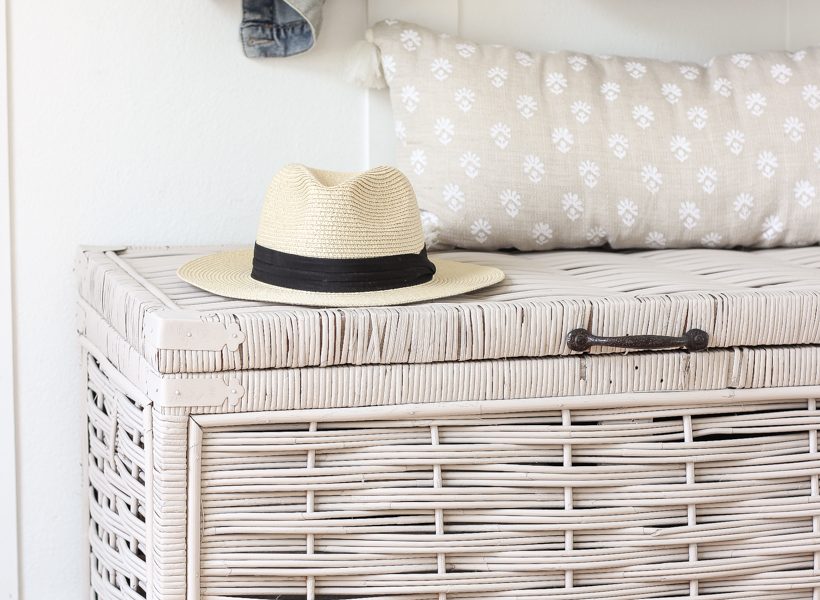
point(337, 239)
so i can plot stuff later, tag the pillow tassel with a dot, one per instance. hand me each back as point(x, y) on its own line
point(364, 64)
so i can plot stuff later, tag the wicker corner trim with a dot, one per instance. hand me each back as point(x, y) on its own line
point(184, 330)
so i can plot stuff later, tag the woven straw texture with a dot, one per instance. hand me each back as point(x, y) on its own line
point(326, 214)
point(639, 476)
point(759, 298)
point(333, 215)
point(229, 274)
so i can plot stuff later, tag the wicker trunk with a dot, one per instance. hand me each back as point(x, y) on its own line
point(459, 449)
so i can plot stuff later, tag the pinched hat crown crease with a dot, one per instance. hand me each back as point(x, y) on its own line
point(326, 214)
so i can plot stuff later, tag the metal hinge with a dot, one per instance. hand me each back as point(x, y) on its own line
point(201, 390)
point(177, 330)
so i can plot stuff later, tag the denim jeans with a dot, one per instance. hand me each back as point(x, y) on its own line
point(280, 27)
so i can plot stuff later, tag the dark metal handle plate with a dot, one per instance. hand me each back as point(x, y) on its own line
point(581, 340)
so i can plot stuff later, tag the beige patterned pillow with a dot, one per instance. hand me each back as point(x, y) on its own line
point(563, 150)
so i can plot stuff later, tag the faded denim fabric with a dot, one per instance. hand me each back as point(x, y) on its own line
point(280, 27)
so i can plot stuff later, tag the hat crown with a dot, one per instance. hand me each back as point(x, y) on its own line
point(329, 214)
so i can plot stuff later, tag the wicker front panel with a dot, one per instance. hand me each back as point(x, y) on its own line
point(117, 490)
point(674, 501)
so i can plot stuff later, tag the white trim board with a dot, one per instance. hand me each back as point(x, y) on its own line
point(9, 574)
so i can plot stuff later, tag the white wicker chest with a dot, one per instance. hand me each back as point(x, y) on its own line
point(457, 450)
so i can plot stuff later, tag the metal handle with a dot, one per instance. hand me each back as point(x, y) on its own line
point(694, 339)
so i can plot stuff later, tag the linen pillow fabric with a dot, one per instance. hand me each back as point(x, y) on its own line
point(512, 149)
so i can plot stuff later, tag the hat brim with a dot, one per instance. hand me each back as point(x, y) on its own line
point(229, 274)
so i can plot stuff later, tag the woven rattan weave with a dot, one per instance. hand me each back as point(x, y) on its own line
point(458, 450)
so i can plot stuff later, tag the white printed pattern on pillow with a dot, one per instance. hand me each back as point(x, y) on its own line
point(675, 102)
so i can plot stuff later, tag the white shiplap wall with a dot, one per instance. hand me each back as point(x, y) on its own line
point(141, 122)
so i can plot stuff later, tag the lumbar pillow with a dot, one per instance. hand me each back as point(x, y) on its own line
point(512, 149)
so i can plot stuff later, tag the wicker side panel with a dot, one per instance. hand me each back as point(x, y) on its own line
point(635, 503)
point(118, 533)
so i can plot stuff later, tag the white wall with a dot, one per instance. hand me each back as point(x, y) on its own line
point(8, 487)
point(143, 123)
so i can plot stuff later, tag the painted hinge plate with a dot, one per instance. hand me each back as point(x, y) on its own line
point(176, 330)
point(174, 392)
